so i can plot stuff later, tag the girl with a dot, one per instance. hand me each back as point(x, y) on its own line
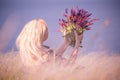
point(30, 43)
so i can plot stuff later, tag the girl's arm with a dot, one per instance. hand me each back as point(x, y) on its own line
point(60, 51)
point(76, 48)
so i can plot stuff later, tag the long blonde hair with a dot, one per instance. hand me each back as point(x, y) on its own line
point(34, 33)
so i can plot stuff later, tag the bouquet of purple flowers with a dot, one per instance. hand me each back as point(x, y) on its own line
point(77, 19)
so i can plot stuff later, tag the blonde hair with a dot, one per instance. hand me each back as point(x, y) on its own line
point(29, 40)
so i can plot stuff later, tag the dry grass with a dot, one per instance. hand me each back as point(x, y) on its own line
point(94, 66)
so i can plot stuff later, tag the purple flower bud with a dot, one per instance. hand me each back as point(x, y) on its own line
point(65, 15)
point(63, 20)
point(88, 14)
point(72, 12)
point(59, 20)
point(89, 23)
point(87, 28)
point(77, 8)
point(60, 24)
point(66, 11)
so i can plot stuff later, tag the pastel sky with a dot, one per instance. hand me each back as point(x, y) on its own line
point(104, 34)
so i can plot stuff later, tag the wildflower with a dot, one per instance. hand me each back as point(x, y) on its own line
point(77, 19)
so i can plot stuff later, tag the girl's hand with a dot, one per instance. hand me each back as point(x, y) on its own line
point(78, 38)
point(74, 54)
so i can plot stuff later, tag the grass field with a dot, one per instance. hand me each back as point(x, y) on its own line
point(92, 66)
